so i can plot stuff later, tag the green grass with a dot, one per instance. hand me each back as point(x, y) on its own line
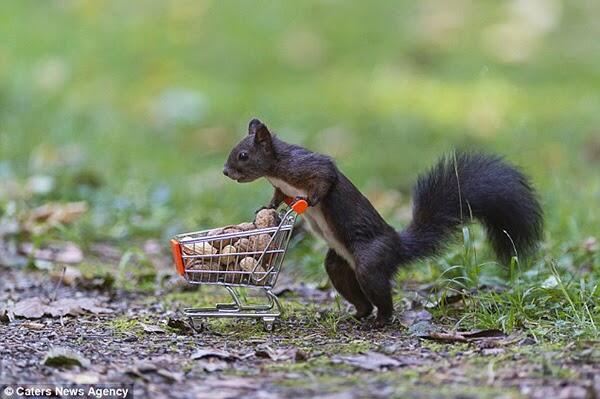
point(134, 109)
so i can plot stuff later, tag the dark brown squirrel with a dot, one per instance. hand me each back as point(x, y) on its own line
point(364, 251)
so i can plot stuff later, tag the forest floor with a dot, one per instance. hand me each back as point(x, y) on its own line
point(127, 336)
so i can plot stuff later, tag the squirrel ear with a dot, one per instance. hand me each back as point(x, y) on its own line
point(262, 136)
point(254, 125)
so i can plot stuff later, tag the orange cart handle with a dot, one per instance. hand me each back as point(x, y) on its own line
point(298, 205)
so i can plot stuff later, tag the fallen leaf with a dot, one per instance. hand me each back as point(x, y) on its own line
point(444, 337)
point(81, 378)
point(276, 355)
point(75, 306)
point(33, 325)
point(464, 336)
point(35, 308)
point(492, 351)
point(410, 317)
point(59, 356)
point(422, 328)
point(68, 275)
point(30, 308)
point(371, 361)
point(149, 328)
point(52, 215)
point(155, 366)
point(178, 324)
point(63, 252)
point(169, 375)
point(491, 333)
point(212, 364)
point(208, 353)
point(6, 316)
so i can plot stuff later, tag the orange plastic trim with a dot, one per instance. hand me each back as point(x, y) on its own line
point(177, 257)
point(300, 206)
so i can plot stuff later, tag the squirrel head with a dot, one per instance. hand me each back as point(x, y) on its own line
point(253, 157)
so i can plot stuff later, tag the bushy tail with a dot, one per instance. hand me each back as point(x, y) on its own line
point(466, 185)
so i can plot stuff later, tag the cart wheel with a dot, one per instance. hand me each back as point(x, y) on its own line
point(268, 323)
point(196, 324)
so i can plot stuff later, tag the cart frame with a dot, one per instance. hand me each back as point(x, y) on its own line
point(223, 269)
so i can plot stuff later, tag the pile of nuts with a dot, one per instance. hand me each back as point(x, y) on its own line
point(233, 254)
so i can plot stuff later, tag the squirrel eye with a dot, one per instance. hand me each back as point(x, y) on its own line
point(243, 156)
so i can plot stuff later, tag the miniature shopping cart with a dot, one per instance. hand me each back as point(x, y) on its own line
point(232, 259)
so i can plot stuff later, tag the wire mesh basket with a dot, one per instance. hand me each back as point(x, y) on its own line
point(237, 256)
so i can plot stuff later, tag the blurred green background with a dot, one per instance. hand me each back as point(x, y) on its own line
point(133, 106)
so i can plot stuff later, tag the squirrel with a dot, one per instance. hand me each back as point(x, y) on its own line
point(365, 251)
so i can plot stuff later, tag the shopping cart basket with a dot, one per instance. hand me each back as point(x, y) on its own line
point(231, 258)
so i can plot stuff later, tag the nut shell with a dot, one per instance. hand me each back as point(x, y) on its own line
point(197, 264)
point(227, 260)
point(246, 226)
point(243, 245)
point(232, 229)
point(248, 264)
point(266, 218)
point(214, 232)
point(199, 248)
point(260, 242)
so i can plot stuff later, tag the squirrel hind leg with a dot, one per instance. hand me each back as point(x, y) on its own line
point(344, 280)
point(374, 270)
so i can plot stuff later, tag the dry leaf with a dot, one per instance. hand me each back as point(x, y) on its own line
point(464, 336)
point(64, 357)
point(35, 308)
point(275, 354)
point(178, 324)
point(411, 317)
point(212, 364)
point(64, 252)
point(6, 316)
point(68, 276)
point(51, 215)
point(208, 353)
point(32, 325)
point(149, 328)
point(31, 308)
point(491, 333)
point(445, 337)
point(371, 361)
point(81, 378)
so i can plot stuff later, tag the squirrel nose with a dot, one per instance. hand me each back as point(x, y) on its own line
point(225, 172)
